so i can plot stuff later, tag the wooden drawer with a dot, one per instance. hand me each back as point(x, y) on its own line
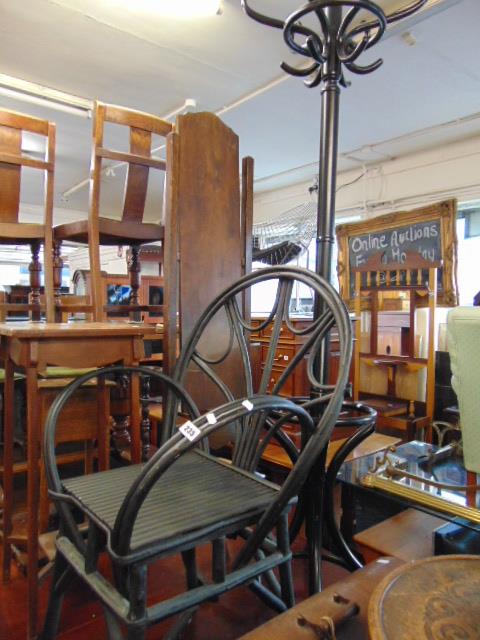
point(287, 389)
point(285, 334)
point(283, 355)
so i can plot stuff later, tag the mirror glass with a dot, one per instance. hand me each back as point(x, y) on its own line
point(393, 337)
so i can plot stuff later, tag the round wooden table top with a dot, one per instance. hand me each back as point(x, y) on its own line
point(431, 599)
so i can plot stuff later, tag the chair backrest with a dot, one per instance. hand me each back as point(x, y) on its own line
point(54, 429)
point(463, 338)
point(12, 159)
point(139, 158)
point(206, 357)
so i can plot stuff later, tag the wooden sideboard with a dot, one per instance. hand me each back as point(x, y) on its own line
point(289, 344)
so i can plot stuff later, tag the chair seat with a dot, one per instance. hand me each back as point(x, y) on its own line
point(112, 232)
point(198, 491)
point(20, 232)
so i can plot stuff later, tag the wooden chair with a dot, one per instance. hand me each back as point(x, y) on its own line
point(130, 230)
point(12, 162)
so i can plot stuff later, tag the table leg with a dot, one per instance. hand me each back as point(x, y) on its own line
point(8, 402)
point(33, 498)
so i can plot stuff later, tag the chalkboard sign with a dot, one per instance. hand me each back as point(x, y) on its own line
point(429, 231)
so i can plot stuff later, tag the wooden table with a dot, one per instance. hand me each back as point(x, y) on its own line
point(429, 599)
point(31, 347)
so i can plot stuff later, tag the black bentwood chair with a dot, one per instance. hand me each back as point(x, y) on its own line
point(184, 496)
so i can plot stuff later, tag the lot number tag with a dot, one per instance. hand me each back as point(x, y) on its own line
point(189, 430)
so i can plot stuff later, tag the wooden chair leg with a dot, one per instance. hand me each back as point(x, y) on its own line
point(7, 480)
point(57, 278)
point(96, 282)
point(134, 273)
point(44, 510)
point(35, 269)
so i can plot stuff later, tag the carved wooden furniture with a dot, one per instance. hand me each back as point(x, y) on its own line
point(130, 230)
point(431, 598)
point(31, 347)
point(12, 160)
point(390, 343)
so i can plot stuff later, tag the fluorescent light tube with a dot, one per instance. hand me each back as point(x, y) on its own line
point(17, 89)
point(181, 9)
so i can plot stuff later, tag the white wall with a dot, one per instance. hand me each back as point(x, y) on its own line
point(405, 183)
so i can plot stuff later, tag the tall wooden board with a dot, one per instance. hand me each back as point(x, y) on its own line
point(208, 252)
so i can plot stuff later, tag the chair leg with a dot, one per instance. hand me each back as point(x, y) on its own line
point(62, 576)
point(137, 633)
point(57, 278)
point(137, 591)
point(285, 569)
point(134, 273)
point(190, 563)
point(35, 269)
point(113, 627)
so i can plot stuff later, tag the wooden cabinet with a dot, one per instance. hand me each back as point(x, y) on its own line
point(289, 344)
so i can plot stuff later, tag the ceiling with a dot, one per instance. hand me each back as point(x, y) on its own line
point(98, 49)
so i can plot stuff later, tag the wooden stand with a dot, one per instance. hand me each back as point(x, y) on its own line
point(417, 280)
point(31, 346)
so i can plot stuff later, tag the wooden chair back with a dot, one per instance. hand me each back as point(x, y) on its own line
point(12, 160)
point(142, 127)
point(68, 307)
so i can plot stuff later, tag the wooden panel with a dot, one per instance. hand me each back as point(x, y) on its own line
point(137, 177)
point(211, 251)
point(10, 143)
